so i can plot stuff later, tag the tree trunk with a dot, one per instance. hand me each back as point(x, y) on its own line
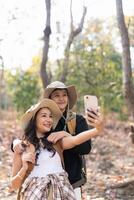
point(128, 88)
point(45, 77)
point(72, 35)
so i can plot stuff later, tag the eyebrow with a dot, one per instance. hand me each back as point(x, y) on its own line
point(56, 92)
point(42, 112)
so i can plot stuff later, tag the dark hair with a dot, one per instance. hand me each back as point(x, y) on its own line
point(30, 136)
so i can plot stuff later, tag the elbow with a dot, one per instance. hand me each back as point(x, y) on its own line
point(15, 185)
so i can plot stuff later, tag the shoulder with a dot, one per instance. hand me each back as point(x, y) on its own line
point(81, 124)
point(74, 115)
point(80, 117)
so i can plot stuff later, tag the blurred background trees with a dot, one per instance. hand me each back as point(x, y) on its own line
point(92, 61)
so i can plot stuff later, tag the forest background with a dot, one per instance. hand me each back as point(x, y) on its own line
point(96, 54)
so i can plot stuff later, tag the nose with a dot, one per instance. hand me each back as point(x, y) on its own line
point(49, 119)
point(61, 97)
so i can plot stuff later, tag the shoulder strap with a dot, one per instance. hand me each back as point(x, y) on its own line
point(71, 122)
point(59, 150)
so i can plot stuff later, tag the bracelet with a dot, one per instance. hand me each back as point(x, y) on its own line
point(20, 176)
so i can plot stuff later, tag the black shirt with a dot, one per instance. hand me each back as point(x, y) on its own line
point(72, 159)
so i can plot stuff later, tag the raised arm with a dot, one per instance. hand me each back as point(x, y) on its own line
point(72, 141)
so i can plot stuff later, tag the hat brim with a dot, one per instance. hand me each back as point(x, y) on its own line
point(72, 95)
point(45, 103)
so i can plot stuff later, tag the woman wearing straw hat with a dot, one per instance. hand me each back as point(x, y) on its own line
point(46, 179)
point(65, 97)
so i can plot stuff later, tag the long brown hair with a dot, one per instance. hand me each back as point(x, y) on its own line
point(30, 136)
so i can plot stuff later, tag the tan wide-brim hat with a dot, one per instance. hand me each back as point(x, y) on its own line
point(72, 95)
point(45, 103)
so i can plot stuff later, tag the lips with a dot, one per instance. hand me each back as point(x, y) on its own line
point(61, 103)
point(47, 125)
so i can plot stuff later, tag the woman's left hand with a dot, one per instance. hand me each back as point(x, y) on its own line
point(56, 136)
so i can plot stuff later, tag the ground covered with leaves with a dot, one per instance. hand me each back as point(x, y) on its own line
point(110, 164)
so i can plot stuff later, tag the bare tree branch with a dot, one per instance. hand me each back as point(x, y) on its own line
point(45, 77)
point(72, 35)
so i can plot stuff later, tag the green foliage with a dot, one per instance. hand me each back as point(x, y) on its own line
point(24, 89)
point(98, 73)
point(95, 68)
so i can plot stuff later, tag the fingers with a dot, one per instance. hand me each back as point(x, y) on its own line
point(95, 119)
point(18, 149)
point(28, 157)
point(91, 116)
point(54, 137)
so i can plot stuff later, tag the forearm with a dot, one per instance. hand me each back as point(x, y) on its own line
point(72, 141)
point(18, 178)
point(84, 136)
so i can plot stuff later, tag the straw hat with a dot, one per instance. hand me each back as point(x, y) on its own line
point(45, 103)
point(72, 95)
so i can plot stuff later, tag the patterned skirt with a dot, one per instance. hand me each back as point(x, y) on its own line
point(51, 187)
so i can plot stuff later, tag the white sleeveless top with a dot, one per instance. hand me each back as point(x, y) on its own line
point(47, 164)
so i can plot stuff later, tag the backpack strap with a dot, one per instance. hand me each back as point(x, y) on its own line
point(71, 122)
point(59, 150)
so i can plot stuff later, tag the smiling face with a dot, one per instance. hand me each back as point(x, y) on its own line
point(61, 98)
point(44, 121)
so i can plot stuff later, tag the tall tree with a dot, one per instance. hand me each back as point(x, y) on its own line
point(128, 87)
point(45, 77)
point(73, 33)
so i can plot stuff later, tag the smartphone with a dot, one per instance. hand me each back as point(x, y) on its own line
point(90, 103)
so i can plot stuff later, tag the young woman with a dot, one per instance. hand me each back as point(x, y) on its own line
point(47, 179)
